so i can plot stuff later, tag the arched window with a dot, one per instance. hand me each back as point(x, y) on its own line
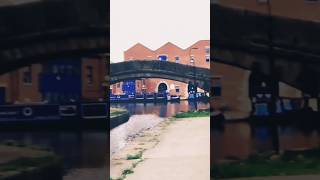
point(163, 57)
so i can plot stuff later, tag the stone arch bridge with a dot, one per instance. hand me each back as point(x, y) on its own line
point(242, 38)
point(32, 31)
point(138, 69)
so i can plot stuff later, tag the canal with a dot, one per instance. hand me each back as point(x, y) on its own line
point(144, 116)
point(240, 139)
point(84, 153)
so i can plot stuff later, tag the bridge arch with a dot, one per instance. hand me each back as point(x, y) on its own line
point(296, 55)
point(41, 30)
point(131, 70)
point(162, 87)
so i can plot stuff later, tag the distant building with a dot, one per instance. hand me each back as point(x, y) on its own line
point(196, 55)
point(56, 81)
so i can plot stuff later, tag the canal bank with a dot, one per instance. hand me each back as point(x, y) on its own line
point(82, 152)
point(29, 163)
point(118, 116)
point(259, 148)
point(153, 153)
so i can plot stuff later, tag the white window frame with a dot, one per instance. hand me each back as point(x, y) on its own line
point(177, 61)
point(192, 59)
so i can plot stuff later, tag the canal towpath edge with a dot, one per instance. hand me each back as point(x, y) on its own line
point(183, 152)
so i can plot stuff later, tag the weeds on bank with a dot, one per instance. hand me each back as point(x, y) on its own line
point(191, 114)
point(297, 163)
point(127, 171)
point(136, 156)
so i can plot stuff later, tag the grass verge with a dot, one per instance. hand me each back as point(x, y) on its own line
point(190, 114)
point(290, 163)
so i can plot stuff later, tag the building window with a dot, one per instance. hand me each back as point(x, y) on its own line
point(89, 74)
point(192, 59)
point(27, 75)
point(207, 50)
point(163, 58)
point(177, 58)
point(207, 58)
point(118, 85)
point(177, 89)
point(143, 84)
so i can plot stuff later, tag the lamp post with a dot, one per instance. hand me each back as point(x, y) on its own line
point(194, 66)
point(274, 81)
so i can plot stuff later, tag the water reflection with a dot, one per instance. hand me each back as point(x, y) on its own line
point(79, 150)
point(162, 109)
point(146, 116)
point(239, 140)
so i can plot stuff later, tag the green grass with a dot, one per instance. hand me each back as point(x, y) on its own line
point(190, 114)
point(136, 156)
point(24, 163)
point(287, 164)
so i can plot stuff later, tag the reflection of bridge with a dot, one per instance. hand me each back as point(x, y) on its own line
point(42, 30)
point(159, 69)
point(241, 39)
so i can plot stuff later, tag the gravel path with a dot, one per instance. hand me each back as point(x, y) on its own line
point(183, 153)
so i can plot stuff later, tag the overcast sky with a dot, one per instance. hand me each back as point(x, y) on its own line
point(155, 22)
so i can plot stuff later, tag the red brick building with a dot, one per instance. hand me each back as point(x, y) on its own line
point(197, 54)
point(24, 85)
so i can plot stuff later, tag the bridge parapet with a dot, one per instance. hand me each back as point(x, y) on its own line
point(253, 28)
point(137, 69)
point(241, 38)
point(39, 30)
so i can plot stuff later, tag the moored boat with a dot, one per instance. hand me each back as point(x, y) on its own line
point(161, 97)
point(174, 98)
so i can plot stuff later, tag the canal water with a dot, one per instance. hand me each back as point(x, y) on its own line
point(84, 153)
point(239, 140)
point(168, 109)
point(144, 116)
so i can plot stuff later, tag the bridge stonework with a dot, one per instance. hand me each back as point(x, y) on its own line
point(241, 38)
point(40, 30)
point(137, 69)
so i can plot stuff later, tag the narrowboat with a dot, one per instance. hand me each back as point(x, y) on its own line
point(124, 97)
point(174, 98)
point(139, 97)
point(131, 97)
point(72, 115)
point(161, 97)
point(113, 98)
point(150, 97)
